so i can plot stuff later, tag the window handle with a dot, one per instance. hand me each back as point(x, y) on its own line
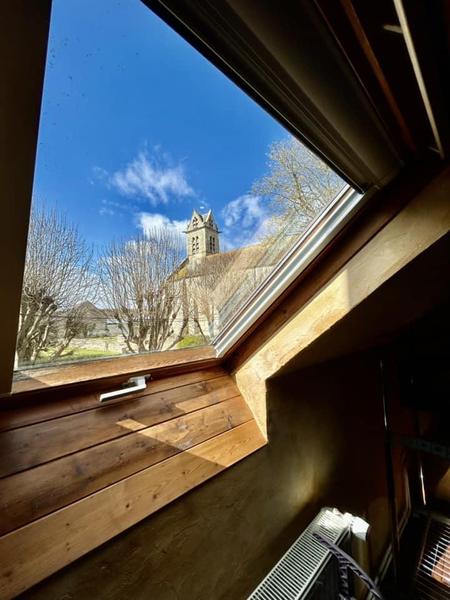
point(134, 384)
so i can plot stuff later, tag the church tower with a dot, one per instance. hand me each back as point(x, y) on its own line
point(202, 236)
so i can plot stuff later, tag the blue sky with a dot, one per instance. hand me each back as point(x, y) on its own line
point(137, 128)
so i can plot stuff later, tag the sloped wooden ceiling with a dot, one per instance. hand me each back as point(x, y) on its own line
point(74, 474)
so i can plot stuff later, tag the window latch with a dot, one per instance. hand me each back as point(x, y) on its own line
point(134, 384)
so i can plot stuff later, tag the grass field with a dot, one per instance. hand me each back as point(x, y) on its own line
point(190, 341)
point(73, 353)
point(101, 347)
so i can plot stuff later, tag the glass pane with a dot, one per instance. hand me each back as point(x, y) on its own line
point(163, 196)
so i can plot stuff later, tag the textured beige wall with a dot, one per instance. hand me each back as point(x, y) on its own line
point(219, 540)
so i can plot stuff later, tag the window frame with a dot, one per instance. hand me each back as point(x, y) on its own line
point(24, 29)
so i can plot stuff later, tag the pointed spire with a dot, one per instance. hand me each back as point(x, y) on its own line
point(202, 235)
point(196, 220)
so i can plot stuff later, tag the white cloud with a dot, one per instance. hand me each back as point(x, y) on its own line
point(105, 210)
point(203, 205)
point(151, 177)
point(246, 220)
point(151, 221)
point(99, 174)
point(245, 210)
point(109, 207)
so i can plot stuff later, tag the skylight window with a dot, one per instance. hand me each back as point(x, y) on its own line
point(163, 198)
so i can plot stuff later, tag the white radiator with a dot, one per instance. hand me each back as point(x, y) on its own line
point(300, 572)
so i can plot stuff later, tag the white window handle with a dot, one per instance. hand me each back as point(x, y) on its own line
point(134, 384)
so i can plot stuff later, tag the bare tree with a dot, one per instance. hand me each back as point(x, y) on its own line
point(57, 278)
point(140, 287)
point(71, 324)
point(299, 185)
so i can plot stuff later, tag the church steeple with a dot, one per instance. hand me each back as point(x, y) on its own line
point(202, 235)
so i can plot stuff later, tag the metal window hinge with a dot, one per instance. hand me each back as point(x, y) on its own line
point(134, 384)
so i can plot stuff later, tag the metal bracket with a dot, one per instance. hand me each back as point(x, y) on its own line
point(134, 384)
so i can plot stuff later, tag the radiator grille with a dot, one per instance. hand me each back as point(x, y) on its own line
point(294, 575)
point(432, 579)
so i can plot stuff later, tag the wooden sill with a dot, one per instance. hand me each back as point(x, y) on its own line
point(73, 474)
point(113, 369)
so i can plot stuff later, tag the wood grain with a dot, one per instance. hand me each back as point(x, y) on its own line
point(33, 445)
point(39, 549)
point(31, 494)
point(37, 408)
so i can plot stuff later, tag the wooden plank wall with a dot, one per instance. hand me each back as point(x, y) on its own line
point(75, 473)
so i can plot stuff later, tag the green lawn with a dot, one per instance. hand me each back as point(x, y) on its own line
point(191, 340)
point(72, 354)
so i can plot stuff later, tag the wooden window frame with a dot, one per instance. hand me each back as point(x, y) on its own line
point(24, 30)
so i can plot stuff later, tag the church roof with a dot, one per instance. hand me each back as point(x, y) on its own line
point(238, 259)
